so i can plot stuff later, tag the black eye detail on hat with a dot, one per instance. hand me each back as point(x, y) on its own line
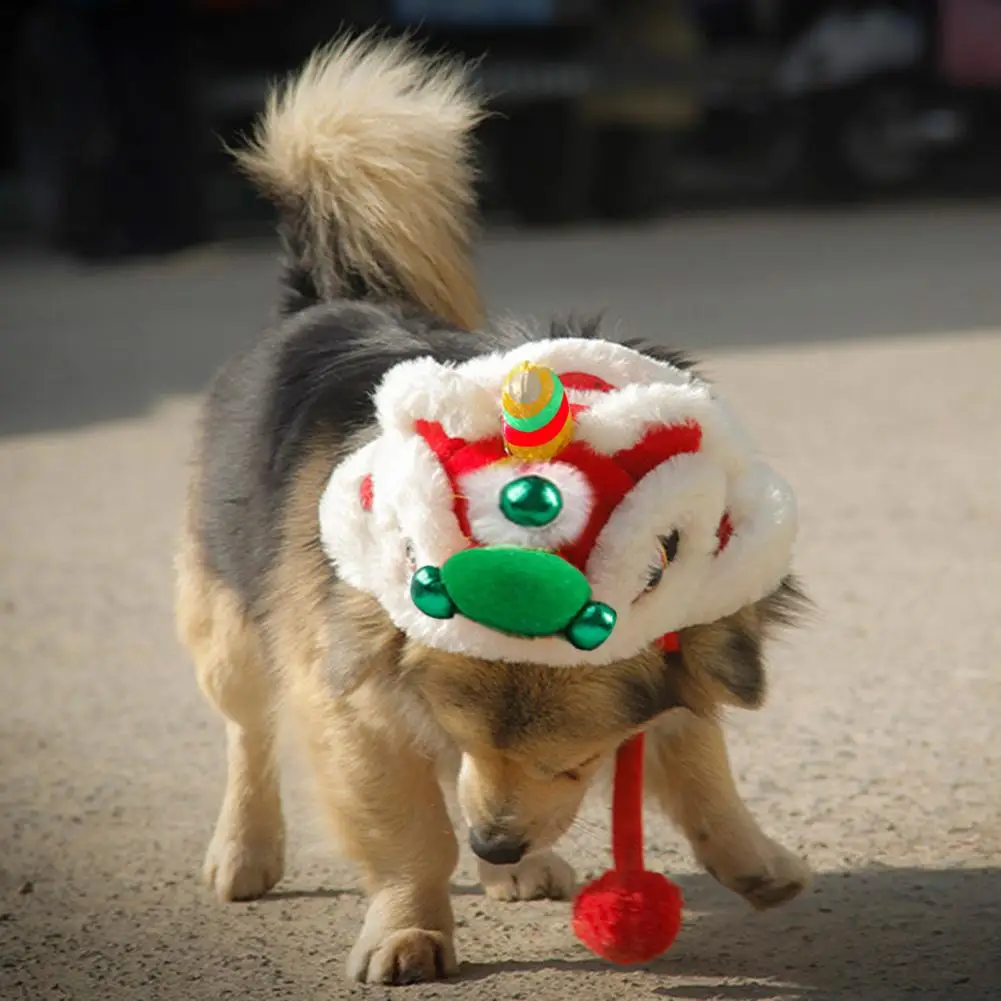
point(668, 552)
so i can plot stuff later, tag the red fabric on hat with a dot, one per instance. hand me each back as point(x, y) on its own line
point(366, 492)
point(585, 382)
point(669, 643)
point(659, 445)
point(609, 483)
point(458, 457)
point(724, 532)
point(611, 476)
point(443, 446)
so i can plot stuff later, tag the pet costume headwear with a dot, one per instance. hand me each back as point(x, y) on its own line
point(567, 502)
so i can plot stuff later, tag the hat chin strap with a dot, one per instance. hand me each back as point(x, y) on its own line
point(629, 915)
point(627, 806)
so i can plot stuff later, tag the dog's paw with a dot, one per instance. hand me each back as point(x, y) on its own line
point(241, 867)
point(775, 877)
point(410, 956)
point(537, 877)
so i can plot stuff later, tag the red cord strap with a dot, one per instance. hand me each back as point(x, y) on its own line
point(627, 806)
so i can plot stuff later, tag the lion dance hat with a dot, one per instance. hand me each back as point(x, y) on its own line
point(512, 507)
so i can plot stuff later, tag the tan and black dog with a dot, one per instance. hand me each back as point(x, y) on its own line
point(367, 155)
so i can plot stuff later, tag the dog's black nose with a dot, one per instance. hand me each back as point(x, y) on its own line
point(497, 849)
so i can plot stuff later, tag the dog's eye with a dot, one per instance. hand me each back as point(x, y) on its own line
point(667, 550)
point(409, 556)
point(574, 774)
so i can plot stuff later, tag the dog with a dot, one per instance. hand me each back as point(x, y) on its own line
point(367, 154)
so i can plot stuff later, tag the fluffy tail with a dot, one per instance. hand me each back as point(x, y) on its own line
point(367, 154)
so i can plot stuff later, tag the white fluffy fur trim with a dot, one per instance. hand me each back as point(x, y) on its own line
point(423, 389)
point(466, 399)
point(345, 527)
point(619, 420)
point(413, 501)
point(687, 493)
point(487, 523)
point(691, 494)
point(763, 510)
point(615, 363)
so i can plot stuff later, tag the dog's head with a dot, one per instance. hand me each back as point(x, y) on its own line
point(540, 524)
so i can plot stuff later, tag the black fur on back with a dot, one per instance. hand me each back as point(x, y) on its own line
point(314, 377)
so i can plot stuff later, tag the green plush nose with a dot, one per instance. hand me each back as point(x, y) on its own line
point(522, 592)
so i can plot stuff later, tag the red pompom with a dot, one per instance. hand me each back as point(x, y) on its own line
point(628, 917)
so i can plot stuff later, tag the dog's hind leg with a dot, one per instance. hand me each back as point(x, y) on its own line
point(688, 771)
point(246, 856)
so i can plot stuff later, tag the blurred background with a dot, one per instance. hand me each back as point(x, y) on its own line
point(720, 173)
point(114, 114)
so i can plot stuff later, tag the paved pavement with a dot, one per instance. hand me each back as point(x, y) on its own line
point(865, 351)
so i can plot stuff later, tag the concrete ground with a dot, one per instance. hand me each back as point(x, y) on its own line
point(864, 349)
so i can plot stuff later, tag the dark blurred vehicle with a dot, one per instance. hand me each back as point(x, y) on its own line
point(848, 98)
point(883, 91)
point(105, 126)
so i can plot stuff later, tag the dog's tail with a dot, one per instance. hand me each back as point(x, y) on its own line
point(367, 154)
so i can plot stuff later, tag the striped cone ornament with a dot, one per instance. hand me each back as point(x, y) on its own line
point(538, 422)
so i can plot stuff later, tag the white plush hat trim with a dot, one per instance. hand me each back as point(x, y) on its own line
point(413, 523)
point(488, 524)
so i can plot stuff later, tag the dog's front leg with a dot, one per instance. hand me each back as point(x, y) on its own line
point(689, 773)
point(388, 810)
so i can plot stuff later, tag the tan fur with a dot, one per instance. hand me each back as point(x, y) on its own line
point(689, 776)
point(247, 853)
point(707, 649)
point(372, 142)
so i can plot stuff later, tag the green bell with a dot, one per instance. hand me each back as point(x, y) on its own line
point(427, 591)
point(531, 501)
point(592, 626)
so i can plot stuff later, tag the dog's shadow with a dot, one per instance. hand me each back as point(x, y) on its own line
point(875, 934)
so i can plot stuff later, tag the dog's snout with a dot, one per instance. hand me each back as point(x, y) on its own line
point(497, 848)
